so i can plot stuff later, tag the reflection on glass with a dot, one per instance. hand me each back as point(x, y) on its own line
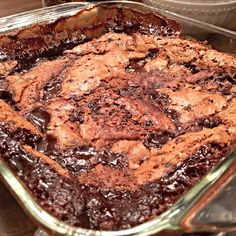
point(47, 3)
point(221, 211)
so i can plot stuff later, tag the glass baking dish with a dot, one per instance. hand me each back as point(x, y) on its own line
point(191, 212)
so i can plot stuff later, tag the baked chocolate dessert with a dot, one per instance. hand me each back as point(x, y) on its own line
point(114, 131)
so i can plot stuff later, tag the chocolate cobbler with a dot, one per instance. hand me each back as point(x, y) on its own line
point(112, 132)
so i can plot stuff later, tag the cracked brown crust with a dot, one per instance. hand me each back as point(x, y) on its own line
point(120, 126)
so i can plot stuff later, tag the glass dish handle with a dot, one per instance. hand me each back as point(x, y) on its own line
point(215, 208)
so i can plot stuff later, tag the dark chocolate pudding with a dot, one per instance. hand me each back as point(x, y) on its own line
point(114, 131)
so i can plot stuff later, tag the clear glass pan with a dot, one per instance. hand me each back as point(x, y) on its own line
point(185, 214)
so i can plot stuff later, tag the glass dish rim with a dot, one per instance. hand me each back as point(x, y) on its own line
point(6, 24)
point(169, 220)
